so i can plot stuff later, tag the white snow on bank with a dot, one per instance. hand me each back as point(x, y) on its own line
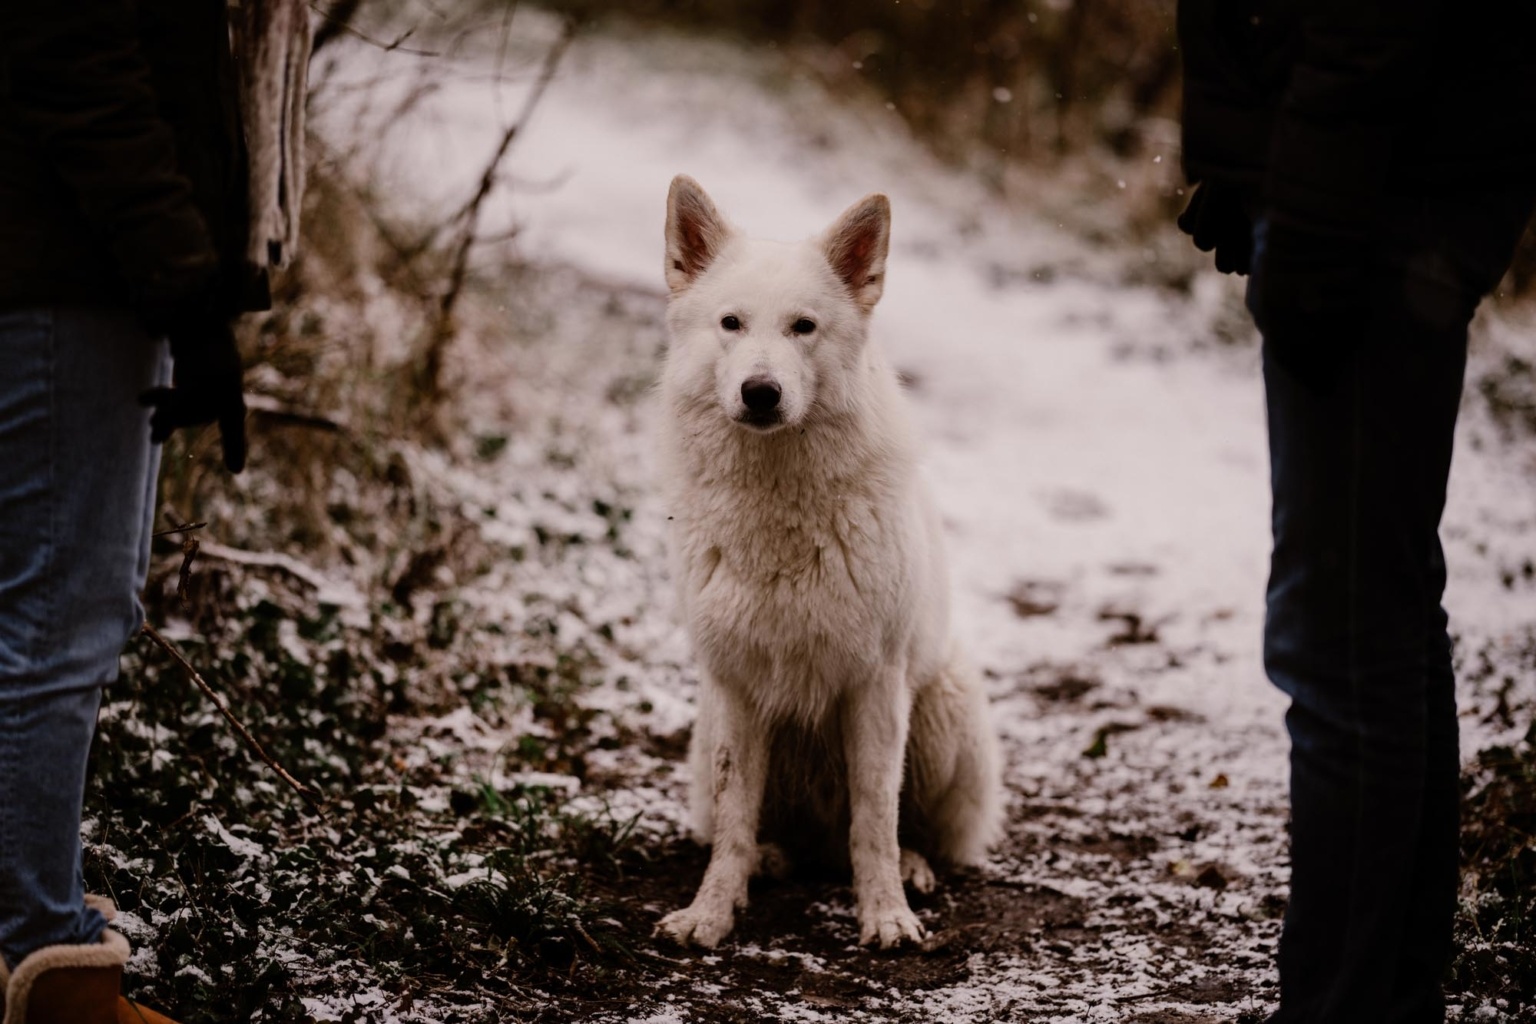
point(1080, 447)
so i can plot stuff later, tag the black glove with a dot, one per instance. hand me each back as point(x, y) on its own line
point(207, 386)
point(1216, 218)
point(1310, 297)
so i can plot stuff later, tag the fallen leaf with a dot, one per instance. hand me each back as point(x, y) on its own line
point(1211, 878)
point(1099, 747)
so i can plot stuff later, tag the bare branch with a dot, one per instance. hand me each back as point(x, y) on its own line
point(470, 211)
point(333, 22)
point(189, 548)
point(278, 414)
point(341, 594)
point(188, 528)
point(192, 674)
point(468, 216)
point(338, 21)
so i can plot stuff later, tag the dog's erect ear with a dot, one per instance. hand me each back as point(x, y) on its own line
point(856, 246)
point(695, 232)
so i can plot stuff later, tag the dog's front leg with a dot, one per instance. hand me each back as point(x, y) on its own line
point(875, 735)
point(739, 765)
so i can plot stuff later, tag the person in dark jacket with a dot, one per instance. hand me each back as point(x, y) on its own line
point(1371, 166)
point(124, 239)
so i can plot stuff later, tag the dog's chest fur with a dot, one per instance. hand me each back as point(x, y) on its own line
point(794, 567)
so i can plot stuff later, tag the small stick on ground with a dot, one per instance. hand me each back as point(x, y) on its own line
point(1154, 994)
point(192, 674)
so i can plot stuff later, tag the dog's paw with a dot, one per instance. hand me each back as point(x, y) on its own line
point(890, 927)
point(916, 872)
point(696, 926)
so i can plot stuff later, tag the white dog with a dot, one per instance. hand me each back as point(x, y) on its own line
point(836, 717)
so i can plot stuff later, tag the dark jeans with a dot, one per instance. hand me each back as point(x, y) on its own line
point(77, 497)
point(1355, 633)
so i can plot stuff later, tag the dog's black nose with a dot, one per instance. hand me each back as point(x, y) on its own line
point(761, 394)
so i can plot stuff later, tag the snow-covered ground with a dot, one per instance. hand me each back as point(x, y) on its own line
point(1099, 462)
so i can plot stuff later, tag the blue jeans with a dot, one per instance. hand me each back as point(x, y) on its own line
point(77, 490)
point(1355, 633)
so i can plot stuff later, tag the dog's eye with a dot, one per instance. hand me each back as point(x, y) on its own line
point(803, 326)
point(730, 323)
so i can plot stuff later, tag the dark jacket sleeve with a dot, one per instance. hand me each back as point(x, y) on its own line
point(1233, 73)
point(1351, 98)
point(75, 81)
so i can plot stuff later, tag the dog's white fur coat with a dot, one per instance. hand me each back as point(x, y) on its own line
point(836, 716)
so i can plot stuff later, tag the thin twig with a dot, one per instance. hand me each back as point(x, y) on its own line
point(192, 674)
point(341, 594)
point(508, 13)
point(185, 528)
point(589, 939)
point(398, 44)
point(274, 412)
point(189, 549)
point(1154, 994)
point(500, 237)
point(333, 22)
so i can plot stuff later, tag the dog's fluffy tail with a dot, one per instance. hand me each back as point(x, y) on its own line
point(954, 768)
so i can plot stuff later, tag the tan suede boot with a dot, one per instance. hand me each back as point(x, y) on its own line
point(74, 984)
point(130, 1012)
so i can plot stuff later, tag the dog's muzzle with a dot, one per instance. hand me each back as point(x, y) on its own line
point(760, 396)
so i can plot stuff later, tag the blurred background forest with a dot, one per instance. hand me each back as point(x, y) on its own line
point(1030, 81)
point(1081, 88)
